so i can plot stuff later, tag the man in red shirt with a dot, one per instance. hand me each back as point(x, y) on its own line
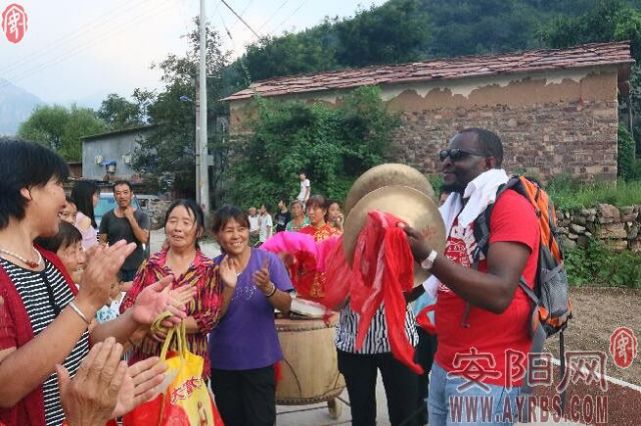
point(481, 315)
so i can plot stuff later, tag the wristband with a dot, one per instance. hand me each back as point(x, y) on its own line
point(428, 262)
point(272, 292)
point(77, 310)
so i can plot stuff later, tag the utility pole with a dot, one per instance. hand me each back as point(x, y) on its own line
point(197, 140)
point(202, 160)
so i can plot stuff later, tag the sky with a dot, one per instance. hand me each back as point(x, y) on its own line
point(80, 51)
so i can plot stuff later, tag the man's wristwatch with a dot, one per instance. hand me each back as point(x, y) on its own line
point(428, 262)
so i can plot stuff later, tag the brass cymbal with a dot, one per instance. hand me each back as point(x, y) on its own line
point(385, 175)
point(412, 206)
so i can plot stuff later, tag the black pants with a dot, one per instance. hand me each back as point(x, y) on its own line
point(245, 397)
point(400, 387)
point(424, 356)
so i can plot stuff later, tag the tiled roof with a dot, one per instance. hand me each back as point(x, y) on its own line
point(588, 55)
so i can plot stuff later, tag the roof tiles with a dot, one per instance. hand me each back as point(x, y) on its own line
point(588, 55)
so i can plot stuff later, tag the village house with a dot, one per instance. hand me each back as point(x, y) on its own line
point(555, 110)
point(108, 156)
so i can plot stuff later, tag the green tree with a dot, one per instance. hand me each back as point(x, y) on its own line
point(168, 154)
point(608, 20)
point(120, 113)
point(398, 31)
point(334, 145)
point(61, 128)
point(308, 51)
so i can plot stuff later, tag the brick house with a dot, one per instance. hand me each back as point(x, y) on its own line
point(555, 110)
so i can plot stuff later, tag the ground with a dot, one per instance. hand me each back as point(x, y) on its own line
point(597, 312)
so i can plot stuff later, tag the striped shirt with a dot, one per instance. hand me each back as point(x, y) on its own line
point(376, 341)
point(44, 294)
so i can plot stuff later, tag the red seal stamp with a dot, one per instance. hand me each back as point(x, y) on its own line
point(623, 346)
point(14, 22)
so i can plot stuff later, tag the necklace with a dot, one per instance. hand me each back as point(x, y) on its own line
point(29, 263)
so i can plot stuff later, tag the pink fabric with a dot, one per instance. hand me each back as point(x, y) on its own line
point(303, 256)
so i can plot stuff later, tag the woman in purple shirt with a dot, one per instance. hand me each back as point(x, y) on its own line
point(244, 347)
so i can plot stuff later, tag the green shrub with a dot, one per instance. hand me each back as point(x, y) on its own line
point(598, 265)
point(333, 144)
point(569, 194)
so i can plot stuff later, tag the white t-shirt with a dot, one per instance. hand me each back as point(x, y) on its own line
point(253, 223)
point(303, 190)
point(264, 222)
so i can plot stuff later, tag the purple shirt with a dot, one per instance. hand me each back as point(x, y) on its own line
point(246, 336)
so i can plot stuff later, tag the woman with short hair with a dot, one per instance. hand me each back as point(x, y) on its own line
point(43, 316)
point(244, 347)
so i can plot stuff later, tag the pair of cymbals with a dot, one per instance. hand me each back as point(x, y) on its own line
point(399, 190)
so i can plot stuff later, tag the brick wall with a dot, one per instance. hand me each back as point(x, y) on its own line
point(553, 122)
point(578, 138)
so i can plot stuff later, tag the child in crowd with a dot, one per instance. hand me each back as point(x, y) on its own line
point(67, 245)
point(112, 309)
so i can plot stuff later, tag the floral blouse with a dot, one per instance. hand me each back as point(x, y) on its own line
point(320, 233)
point(205, 308)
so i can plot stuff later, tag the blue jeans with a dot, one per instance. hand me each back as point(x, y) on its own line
point(454, 400)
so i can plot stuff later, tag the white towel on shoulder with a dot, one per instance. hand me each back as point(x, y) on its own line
point(480, 193)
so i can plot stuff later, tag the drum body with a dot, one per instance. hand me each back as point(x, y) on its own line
point(309, 367)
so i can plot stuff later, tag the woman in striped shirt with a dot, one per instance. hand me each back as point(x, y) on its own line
point(43, 317)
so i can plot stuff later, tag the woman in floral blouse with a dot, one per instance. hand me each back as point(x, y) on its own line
point(182, 258)
point(317, 206)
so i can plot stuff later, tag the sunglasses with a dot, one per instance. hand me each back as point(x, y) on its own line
point(456, 154)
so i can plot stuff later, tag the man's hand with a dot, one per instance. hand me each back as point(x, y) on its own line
point(140, 385)
point(420, 249)
point(91, 396)
point(103, 264)
point(128, 213)
point(158, 298)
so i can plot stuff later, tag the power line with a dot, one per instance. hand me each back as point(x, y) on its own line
point(289, 17)
point(273, 14)
point(242, 13)
point(50, 48)
point(241, 19)
point(87, 44)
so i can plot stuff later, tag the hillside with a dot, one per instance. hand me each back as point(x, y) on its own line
point(16, 105)
point(409, 30)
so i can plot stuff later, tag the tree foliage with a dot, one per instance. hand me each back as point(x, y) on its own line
point(120, 113)
point(608, 20)
point(168, 154)
point(60, 128)
point(334, 145)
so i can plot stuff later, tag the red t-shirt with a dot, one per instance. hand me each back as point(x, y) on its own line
point(512, 220)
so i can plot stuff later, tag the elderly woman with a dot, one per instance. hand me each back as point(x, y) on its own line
point(299, 220)
point(244, 347)
point(182, 259)
point(43, 317)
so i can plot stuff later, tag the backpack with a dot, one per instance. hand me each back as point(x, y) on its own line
point(551, 306)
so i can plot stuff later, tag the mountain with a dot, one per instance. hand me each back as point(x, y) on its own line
point(16, 105)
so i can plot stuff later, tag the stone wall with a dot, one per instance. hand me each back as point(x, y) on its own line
point(542, 140)
point(550, 122)
point(617, 228)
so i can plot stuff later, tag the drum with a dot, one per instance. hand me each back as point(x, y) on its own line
point(309, 367)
